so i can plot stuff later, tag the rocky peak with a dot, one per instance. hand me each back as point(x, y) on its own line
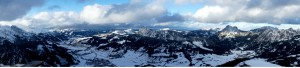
point(10, 32)
point(229, 28)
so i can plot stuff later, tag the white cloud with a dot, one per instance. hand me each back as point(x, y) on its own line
point(128, 13)
point(211, 13)
point(256, 11)
point(181, 2)
point(45, 20)
point(124, 13)
point(95, 13)
point(55, 19)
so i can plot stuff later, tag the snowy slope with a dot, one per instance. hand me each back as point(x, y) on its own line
point(200, 44)
point(257, 63)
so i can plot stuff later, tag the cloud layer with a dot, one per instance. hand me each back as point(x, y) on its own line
point(134, 12)
point(213, 14)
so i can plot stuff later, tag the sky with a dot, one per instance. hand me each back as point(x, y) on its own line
point(192, 14)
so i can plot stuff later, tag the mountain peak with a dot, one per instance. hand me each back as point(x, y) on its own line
point(231, 29)
point(10, 32)
point(264, 28)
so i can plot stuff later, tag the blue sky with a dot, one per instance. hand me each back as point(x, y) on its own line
point(77, 6)
point(71, 5)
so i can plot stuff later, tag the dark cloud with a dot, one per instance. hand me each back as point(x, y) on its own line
point(293, 20)
point(133, 12)
point(271, 4)
point(12, 9)
point(165, 16)
point(171, 18)
point(123, 8)
point(53, 7)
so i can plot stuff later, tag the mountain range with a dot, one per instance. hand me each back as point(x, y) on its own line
point(151, 47)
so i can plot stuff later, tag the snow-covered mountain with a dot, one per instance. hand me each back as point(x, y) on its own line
point(21, 47)
point(9, 33)
point(150, 47)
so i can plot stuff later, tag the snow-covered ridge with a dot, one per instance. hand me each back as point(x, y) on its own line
point(277, 35)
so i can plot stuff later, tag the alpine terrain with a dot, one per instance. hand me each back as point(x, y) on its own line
point(151, 47)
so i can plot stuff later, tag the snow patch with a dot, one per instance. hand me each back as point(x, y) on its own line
point(40, 48)
point(62, 60)
point(259, 63)
point(131, 58)
point(200, 44)
point(179, 62)
point(129, 31)
point(84, 39)
point(212, 59)
point(185, 42)
point(165, 29)
point(121, 42)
